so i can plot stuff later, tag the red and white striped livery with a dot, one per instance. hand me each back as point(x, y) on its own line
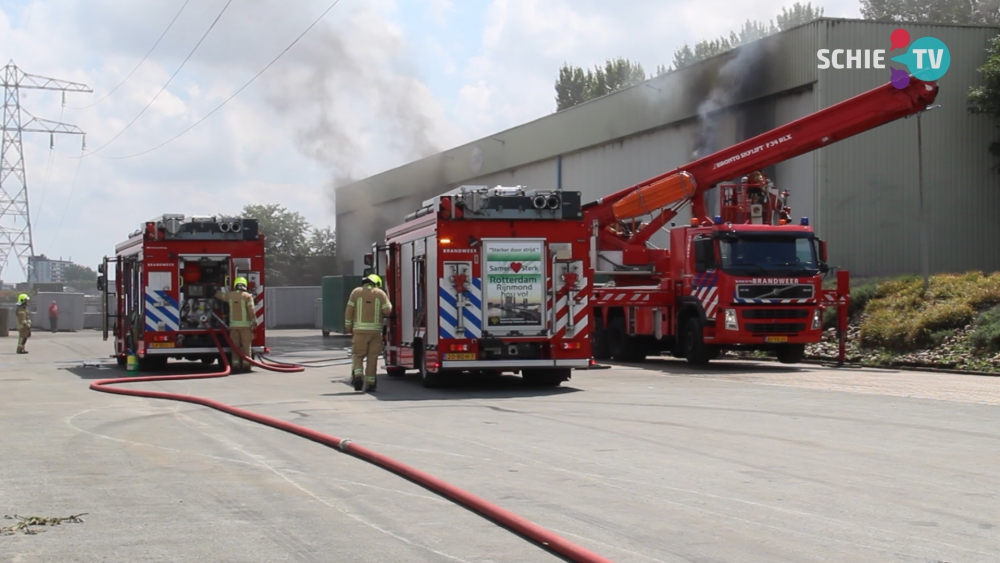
point(489, 280)
point(166, 276)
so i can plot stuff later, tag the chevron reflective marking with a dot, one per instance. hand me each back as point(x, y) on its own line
point(258, 306)
point(161, 308)
point(581, 315)
point(471, 311)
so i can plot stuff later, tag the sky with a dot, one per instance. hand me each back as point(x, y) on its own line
point(374, 85)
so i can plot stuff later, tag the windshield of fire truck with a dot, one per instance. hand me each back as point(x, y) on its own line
point(769, 254)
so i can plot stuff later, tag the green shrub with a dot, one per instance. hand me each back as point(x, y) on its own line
point(985, 336)
point(901, 316)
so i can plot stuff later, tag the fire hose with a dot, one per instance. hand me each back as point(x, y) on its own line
point(521, 526)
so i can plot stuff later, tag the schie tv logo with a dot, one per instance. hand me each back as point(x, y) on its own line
point(927, 58)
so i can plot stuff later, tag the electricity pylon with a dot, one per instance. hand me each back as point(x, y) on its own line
point(15, 221)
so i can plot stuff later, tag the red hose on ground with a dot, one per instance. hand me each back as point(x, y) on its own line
point(505, 518)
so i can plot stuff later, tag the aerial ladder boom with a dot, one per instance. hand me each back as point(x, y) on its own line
point(690, 182)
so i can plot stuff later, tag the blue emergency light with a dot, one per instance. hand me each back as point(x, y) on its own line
point(718, 219)
point(804, 222)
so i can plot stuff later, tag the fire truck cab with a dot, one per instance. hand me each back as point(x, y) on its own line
point(168, 277)
point(489, 280)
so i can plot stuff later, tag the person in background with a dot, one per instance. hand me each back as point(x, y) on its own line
point(54, 317)
point(23, 323)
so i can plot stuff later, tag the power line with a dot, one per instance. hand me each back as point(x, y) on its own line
point(120, 84)
point(227, 100)
point(72, 187)
point(186, 59)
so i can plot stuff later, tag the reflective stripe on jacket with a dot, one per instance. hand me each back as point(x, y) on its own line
point(366, 307)
point(241, 308)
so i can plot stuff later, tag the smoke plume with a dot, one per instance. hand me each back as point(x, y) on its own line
point(356, 106)
point(733, 83)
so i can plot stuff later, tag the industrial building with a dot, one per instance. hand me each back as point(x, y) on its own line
point(46, 270)
point(863, 194)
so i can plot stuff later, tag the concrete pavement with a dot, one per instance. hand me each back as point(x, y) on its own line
point(738, 462)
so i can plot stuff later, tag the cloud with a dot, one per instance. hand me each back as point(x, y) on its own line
point(440, 9)
point(526, 41)
point(345, 101)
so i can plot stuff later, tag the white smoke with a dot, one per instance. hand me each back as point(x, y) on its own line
point(728, 87)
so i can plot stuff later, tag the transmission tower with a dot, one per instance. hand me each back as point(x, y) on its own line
point(15, 221)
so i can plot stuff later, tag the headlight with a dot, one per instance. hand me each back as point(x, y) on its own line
point(731, 323)
point(817, 319)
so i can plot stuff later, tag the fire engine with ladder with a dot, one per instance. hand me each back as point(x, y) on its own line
point(488, 280)
point(166, 278)
point(748, 278)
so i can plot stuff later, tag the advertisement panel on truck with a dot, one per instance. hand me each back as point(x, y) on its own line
point(515, 284)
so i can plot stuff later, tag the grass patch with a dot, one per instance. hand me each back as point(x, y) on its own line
point(900, 316)
point(985, 335)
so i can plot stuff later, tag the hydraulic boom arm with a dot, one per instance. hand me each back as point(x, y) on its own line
point(690, 182)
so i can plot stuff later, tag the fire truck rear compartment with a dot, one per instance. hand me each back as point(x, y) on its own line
point(203, 278)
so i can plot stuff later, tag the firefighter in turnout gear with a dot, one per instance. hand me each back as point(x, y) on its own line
point(242, 321)
point(23, 323)
point(366, 307)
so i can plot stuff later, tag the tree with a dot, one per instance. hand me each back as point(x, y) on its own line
point(933, 11)
point(576, 86)
point(79, 277)
point(323, 242)
point(571, 88)
point(285, 241)
point(798, 15)
point(985, 99)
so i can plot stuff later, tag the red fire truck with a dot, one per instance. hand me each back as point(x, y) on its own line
point(166, 277)
point(748, 278)
point(489, 280)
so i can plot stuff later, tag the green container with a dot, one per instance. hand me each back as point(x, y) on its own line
point(336, 290)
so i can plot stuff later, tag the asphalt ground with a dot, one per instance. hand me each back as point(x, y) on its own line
point(737, 462)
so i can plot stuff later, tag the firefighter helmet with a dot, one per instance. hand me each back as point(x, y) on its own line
point(374, 280)
point(22, 299)
point(241, 283)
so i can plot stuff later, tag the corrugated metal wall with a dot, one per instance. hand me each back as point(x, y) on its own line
point(291, 307)
point(868, 185)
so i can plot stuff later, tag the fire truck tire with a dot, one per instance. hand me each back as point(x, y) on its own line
point(208, 361)
point(599, 341)
point(122, 360)
point(545, 377)
point(695, 350)
point(622, 347)
point(428, 379)
point(395, 371)
point(792, 353)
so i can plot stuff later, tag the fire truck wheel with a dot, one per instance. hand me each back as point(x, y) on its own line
point(395, 372)
point(622, 347)
point(122, 360)
point(695, 350)
point(545, 377)
point(599, 341)
point(792, 353)
point(208, 361)
point(430, 380)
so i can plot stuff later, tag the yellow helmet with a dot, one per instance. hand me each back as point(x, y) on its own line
point(22, 299)
point(240, 282)
point(374, 280)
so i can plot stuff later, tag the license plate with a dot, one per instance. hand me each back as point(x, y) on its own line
point(460, 356)
point(161, 345)
point(775, 339)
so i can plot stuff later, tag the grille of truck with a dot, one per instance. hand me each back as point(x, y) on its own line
point(776, 328)
point(798, 291)
point(776, 314)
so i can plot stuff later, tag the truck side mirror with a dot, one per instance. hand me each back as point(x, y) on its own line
point(100, 268)
point(101, 283)
point(368, 272)
point(369, 260)
point(822, 251)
